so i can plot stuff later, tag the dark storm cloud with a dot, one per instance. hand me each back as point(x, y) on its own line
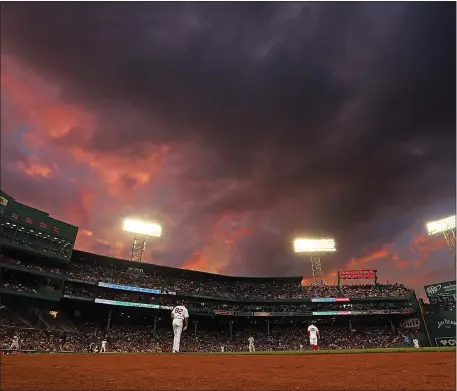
point(336, 116)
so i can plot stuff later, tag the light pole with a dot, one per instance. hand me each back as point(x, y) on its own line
point(141, 230)
point(445, 226)
point(315, 248)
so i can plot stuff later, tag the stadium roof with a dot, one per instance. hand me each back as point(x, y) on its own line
point(123, 263)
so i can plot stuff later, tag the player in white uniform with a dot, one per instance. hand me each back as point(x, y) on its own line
point(251, 344)
point(15, 343)
point(313, 333)
point(103, 348)
point(180, 322)
point(416, 343)
point(222, 349)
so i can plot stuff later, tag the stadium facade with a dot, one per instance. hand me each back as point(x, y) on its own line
point(47, 286)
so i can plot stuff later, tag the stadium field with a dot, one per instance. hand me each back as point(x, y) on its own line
point(342, 351)
point(409, 369)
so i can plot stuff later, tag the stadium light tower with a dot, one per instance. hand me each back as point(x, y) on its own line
point(445, 226)
point(141, 230)
point(315, 247)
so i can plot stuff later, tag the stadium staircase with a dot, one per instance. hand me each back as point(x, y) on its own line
point(46, 320)
point(29, 318)
point(10, 319)
point(65, 324)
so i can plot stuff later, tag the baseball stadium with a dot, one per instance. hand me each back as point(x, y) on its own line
point(59, 304)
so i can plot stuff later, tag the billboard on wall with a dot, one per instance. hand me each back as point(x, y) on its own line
point(441, 326)
point(411, 323)
point(440, 289)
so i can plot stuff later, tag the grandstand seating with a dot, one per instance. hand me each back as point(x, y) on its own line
point(224, 310)
point(227, 287)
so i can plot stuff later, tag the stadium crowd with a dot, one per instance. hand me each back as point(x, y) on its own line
point(142, 339)
point(202, 306)
point(229, 288)
point(16, 286)
point(33, 266)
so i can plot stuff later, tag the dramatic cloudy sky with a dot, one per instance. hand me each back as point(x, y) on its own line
point(238, 126)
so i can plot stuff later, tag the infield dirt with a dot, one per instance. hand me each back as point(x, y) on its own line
point(388, 371)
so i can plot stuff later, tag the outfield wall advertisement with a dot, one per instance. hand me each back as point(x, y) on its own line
point(441, 327)
point(440, 289)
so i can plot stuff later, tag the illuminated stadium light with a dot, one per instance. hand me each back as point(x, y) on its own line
point(302, 245)
point(446, 227)
point(141, 229)
point(439, 226)
point(315, 247)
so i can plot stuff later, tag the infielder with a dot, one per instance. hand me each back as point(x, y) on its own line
point(313, 333)
point(103, 348)
point(251, 344)
point(15, 343)
point(180, 321)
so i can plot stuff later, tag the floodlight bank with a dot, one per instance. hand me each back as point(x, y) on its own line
point(142, 228)
point(314, 245)
point(443, 225)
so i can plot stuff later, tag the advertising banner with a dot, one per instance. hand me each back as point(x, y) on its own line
point(73, 297)
point(222, 312)
point(303, 313)
point(369, 312)
point(263, 313)
point(330, 300)
point(410, 323)
point(70, 279)
point(129, 288)
point(241, 313)
point(441, 288)
point(325, 313)
point(399, 312)
point(132, 304)
point(441, 325)
point(445, 341)
point(365, 274)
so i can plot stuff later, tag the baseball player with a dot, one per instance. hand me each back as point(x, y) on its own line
point(416, 343)
point(313, 333)
point(222, 349)
point(103, 348)
point(180, 322)
point(15, 343)
point(251, 344)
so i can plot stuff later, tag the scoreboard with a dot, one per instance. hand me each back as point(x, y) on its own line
point(443, 302)
point(362, 274)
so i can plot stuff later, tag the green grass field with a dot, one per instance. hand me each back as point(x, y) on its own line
point(290, 352)
point(345, 351)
